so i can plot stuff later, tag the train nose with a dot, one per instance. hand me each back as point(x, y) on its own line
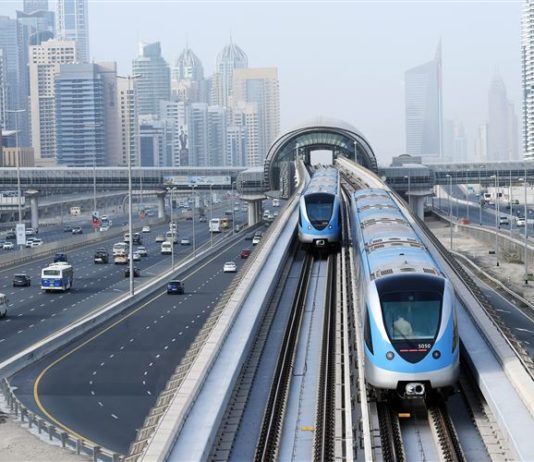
point(414, 389)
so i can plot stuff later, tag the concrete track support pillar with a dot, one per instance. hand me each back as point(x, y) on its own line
point(161, 203)
point(33, 195)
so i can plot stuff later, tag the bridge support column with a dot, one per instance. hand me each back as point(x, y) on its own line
point(33, 195)
point(161, 203)
point(416, 201)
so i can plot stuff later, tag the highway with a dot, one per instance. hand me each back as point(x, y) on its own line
point(103, 386)
point(34, 314)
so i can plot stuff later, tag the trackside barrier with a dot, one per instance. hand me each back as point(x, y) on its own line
point(156, 440)
point(74, 331)
point(54, 433)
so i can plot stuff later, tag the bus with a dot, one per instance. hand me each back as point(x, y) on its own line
point(120, 258)
point(57, 276)
point(226, 222)
point(215, 225)
point(120, 247)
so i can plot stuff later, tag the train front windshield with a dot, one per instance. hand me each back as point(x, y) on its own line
point(411, 307)
point(319, 208)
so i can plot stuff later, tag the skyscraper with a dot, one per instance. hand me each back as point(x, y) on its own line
point(129, 127)
point(230, 58)
point(527, 61)
point(424, 113)
point(502, 123)
point(45, 60)
point(87, 119)
point(188, 82)
point(29, 6)
point(197, 121)
point(216, 136)
point(175, 112)
point(73, 24)
point(260, 86)
point(154, 79)
point(246, 116)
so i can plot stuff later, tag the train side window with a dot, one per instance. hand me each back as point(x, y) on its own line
point(367, 332)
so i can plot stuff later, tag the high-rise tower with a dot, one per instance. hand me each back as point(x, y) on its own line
point(260, 86)
point(188, 82)
point(527, 61)
point(424, 111)
point(73, 24)
point(230, 58)
point(502, 124)
point(29, 6)
point(154, 79)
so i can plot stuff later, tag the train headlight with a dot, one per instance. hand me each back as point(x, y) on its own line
point(390, 355)
point(436, 354)
point(309, 227)
point(329, 226)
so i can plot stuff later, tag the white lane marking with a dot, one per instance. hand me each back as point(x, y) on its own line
point(524, 330)
point(100, 404)
point(114, 416)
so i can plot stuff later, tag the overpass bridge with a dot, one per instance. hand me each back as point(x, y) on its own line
point(196, 403)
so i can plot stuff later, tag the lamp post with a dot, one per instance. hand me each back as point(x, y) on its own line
point(467, 201)
point(407, 177)
point(211, 215)
point(450, 208)
point(194, 238)
point(233, 208)
point(511, 203)
point(17, 158)
point(172, 228)
point(479, 199)
point(130, 211)
point(497, 221)
point(526, 227)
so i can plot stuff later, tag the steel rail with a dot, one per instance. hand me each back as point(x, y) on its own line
point(325, 420)
point(447, 440)
point(268, 442)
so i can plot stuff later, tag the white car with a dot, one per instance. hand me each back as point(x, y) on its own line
point(256, 240)
point(229, 267)
point(185, 241)
point(520, 222)
point(8, 246)
point(141, 250)
point(37, 242)
point(136, 256)
point(146, 229)
point(104, 228)
point(29, 232)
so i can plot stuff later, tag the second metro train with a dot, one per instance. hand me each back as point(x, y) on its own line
point(410, 332)
point(320, 210)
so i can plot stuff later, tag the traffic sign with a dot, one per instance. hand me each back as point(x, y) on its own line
point(20, 231)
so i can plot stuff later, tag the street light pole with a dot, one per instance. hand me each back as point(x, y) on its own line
point(211, 215)
point(17, 158)
point(172, 229)
point(450, 207)
point(130, 211)
point(497, 221)
point(194, 237)
point(526, 228)
point(233, 208)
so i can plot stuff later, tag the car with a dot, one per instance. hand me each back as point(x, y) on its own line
point(160, 238)
point(77, 230)
point(37, 242)
point(228, 212)
point(60, 257)
point(101, 256)
point(229, 267)
point(175, 287)
point(136, 272)
point(141, 250)
point(21, 280)
point(520, 222)
point(136, 256)
point(185, 241)
point(8, 246)
point(29, 242)
point(4, 302)
point(104, 228)
point(30, 232)
point(504, 220)
point(67, 229)
point(11, 234)
point(275, 214)
point(256, 240)
point(245, 253)
point(202, 219)
point(249, 237)
point(146, 229)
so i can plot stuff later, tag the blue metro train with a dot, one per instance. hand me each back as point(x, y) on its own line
point(409, 306)
point(320, 210)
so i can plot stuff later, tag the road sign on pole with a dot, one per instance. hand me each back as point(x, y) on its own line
point(20, 231)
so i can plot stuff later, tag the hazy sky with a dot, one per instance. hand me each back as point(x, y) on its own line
point(343, 59)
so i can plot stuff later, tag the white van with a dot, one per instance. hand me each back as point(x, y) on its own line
point(166, 248)
point(3, 305)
